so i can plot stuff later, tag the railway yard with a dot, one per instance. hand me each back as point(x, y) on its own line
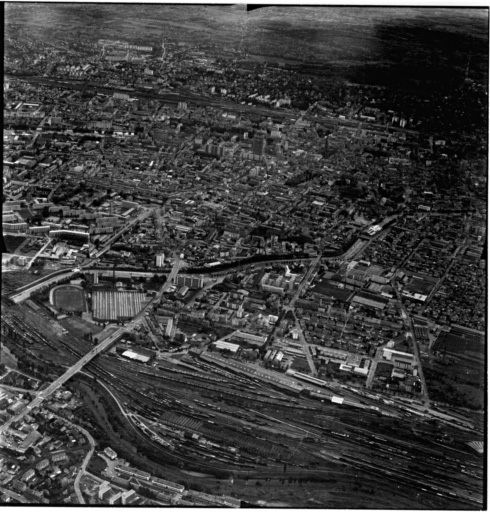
point(232, 281)
point(198, 415)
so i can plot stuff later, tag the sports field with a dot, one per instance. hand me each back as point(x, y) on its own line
point(71, 298)
point(420, 285)
point(459, 342)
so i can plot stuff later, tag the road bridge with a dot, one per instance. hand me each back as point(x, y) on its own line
point(101, 347)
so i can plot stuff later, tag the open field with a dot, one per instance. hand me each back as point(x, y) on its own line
point(15, 279)
point(79, 327)
point(459, 345)
point(384, 45)
point(383, 370)
point(12, 243)
point(419, 285)
point(70, 298)
point(461, 342)
point(19, 380)
point(456, 383)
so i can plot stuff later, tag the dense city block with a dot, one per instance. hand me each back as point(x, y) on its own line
point(242, 268)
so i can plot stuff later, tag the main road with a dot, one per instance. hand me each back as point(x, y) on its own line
point(407, 320)
point(290, 307)
point(103, 345)
point(29, 264)
point(141, 216)
point(49, 280)
point(82, 469)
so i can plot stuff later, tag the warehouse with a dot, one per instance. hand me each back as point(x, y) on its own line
point(225, 345)
point(371, 300)
point(126, 470)
point(139, 354)
point(249, 338)
point(401, 359)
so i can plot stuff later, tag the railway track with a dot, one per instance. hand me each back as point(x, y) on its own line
point(151, 391)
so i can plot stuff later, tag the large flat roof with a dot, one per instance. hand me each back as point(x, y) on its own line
point(133, 355)
point(226, 346)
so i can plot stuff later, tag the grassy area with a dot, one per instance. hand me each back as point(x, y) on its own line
point(383, 370)
point(15, 279)
point(474, 396)
point(457, 344)
point(454, 383)
point(18, 278)
point(78, 327)
point(96, 465)
point(12, 243)
point(70, 298)
point(19, 380)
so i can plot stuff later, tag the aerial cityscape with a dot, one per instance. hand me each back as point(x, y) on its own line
point(244, 256)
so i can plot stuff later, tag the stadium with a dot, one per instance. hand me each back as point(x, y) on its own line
point(68, 298)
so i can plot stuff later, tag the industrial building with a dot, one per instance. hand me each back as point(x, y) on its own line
point(139, 354)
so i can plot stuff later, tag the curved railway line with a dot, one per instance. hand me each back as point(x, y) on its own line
point(211, 396)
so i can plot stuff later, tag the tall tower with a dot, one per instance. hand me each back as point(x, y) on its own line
point(258, 145)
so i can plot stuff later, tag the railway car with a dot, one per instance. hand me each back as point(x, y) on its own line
point(167, 485)
point(307, 378)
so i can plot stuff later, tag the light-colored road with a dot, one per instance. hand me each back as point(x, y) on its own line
point(290, 307)
point(441, 280)
point(152, 336)
point(306, 348)
point(20, 390)
point(304, 283)
point(141, 216)
point(28, 266)
point(103, 345)
point(81, 471)
point(36, 285)
point(101, 383)
point(416, 353)
point(372, 370)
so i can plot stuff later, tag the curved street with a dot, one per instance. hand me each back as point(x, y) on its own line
point(81, 471)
